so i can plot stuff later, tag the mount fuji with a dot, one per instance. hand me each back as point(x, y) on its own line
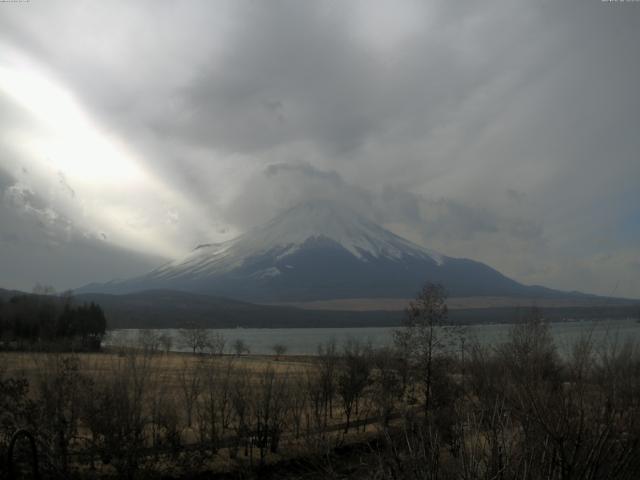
point(319, 251)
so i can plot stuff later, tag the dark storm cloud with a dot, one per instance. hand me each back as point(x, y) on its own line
point(446, 220)
point(6, 180)
point(28, 257)
point(441, 220)
point(503, 131)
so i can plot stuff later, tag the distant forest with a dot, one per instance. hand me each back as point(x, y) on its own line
point(42, 320)
point(172, 309)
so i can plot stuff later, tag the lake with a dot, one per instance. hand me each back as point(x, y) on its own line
point(305, 341)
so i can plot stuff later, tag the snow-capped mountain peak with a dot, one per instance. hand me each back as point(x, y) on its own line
point(319, 250)
point(325, 219)
point(292, 230)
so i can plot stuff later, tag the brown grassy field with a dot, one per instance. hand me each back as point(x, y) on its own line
point(168, 367)
point(399, 304)
point(168, 379)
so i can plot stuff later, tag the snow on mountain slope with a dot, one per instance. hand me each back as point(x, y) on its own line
point(289, 232)
point(319, 251)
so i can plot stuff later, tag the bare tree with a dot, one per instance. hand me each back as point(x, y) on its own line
point(279, 349)
point(353, 377)
point(269, 410)
point(327, 364)
point(217, 343)
point(240, 402)
point(163, 409)
point(60, 383)
point(315, 417)
point(214, 407)
point(422, 336)
point(298, 403)
point(189, 377)
point(149, 340)
point(166, 341)
point(115, 412)
point(195, 338)
point(240, 347)
point(387, 383)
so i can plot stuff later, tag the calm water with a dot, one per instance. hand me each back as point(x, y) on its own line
point(306, 340)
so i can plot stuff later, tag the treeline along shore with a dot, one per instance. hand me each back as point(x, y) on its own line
point(172, 309)
point(434, 405)
point(43, 321)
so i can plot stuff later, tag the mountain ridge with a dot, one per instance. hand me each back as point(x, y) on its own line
point(319, 251)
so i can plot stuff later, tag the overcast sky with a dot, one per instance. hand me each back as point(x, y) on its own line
point(503, 131)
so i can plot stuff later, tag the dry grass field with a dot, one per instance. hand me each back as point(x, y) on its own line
point(247, 392)
point(31, 364)
point(399, 304)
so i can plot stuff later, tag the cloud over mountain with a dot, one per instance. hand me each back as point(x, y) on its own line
point(504, 131)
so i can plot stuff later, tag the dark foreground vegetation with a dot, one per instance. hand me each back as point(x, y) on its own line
point(434, 406)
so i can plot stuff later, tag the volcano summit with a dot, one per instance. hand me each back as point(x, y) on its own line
point(320, 251)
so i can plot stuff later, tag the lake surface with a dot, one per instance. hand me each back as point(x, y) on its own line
point(305, 341)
